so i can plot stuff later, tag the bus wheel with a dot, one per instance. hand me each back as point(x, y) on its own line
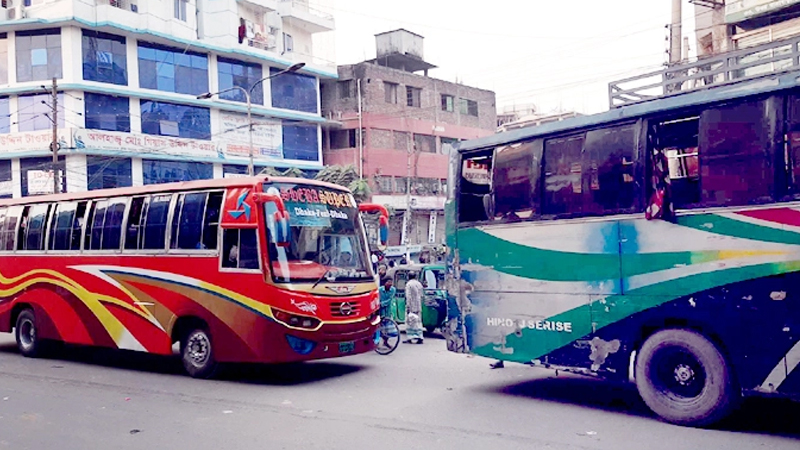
point(27, 335)
point(684, 378)
point(197, 354)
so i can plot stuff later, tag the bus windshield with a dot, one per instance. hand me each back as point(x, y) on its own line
point(327, 240)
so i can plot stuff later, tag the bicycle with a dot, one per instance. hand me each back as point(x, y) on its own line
point(388, 337)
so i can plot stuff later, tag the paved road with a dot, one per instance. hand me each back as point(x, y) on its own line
point(418, 397)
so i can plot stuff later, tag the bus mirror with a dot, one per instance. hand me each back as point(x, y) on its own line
point(383, 221)
point(384, 230)
point(281, 228)
point(263, 197)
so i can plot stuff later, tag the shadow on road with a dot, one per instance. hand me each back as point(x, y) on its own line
point(757, 415)
point(278, 374)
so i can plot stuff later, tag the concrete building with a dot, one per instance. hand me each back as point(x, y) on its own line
point(723, 26)
point(129, 75)
point(407, 123)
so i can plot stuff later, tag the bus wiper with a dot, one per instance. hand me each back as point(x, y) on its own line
point(324, 276)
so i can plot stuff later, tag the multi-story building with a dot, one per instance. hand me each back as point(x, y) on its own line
point(722, 26)
point(407, 122)
point(129, 74)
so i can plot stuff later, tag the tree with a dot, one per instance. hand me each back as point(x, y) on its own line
point(346, 176)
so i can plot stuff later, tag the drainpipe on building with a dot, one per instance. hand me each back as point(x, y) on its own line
point(360, 133)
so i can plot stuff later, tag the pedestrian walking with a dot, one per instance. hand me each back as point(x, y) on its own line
point(413, 310)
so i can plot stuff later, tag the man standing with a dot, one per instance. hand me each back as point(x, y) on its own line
point(413, 310)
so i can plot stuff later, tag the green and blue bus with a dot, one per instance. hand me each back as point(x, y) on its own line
point(657, 242)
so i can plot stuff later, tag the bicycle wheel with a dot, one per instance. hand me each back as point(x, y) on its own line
point(388, 336)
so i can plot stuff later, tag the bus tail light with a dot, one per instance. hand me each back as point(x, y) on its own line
point(296, 321)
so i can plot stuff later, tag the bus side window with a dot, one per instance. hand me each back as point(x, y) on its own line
point(475, 187)
point(3, 212)
point(94, 229)
point(77, 225)
point(608, 163)
point(563, 172)
point(240, 249)
point(35, 231)
point(736, 154)
point(515, 180)
point(211, 220)
point(61, 228)
point(188, 222)
point(134, 230)
point(23, 226)
point(9, 231)
point(112, 225)
point(155, 225)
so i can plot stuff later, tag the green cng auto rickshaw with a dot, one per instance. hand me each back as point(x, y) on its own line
point(434, 302)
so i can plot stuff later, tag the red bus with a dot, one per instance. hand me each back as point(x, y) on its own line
point(253, 269)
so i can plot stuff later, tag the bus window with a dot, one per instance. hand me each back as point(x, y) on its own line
point(61, 227)
point(35, 229)
point(515, 179)
point(240, 249)
point(94, 226)
point(736, 166)
point(676, 139)
point(563, 186)
point(3, 212)
point(9, 230)
point(608, 164)
point(133, 230)
point(112, 225)
point(155, 222)
point(474, 187)
point(189, 220)
point(793, 163)
point(211, 220)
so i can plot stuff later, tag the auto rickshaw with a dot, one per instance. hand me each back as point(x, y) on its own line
point(434, 301)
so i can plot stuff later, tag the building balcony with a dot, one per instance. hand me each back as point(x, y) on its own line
point(269, 5)
point(300, 14)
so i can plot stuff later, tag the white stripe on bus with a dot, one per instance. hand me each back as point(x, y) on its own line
point(782, 370)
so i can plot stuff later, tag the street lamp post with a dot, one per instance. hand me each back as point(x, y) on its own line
point(247, 94)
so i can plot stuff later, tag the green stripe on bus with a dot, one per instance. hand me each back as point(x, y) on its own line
point(725, 226)
point(531, 344)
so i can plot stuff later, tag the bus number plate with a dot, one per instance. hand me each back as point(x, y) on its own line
point(347, 347)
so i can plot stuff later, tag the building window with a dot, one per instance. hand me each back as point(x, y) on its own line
point(345, 89)
point(390, 92)
point(300, 142)
point(448, 102)
point(38, 55)
point(104, 58)
point(385, 184)
point(5, 116)
point(168, 119)
point(105, 172)
point(180, 9)
point(36, 175)
point(35, 112)
point(156, 171)
point(288, 43)
point(425, 143)
point(245, 75)
point(172, 70)
point(448, 144)
point(468, 107)
point(413, 95)
point(6, 187)
point(106, 112)
point(3, 58)
point(294, 91)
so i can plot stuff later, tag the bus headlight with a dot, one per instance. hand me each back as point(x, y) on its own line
point(293, 320)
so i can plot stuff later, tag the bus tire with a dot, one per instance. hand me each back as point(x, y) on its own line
point(685, 379)
point(27, 335)
point(197, 353)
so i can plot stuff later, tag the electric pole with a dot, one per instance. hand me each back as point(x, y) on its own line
point(54, 143)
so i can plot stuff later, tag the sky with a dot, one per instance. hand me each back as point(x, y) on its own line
point(558, 54)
